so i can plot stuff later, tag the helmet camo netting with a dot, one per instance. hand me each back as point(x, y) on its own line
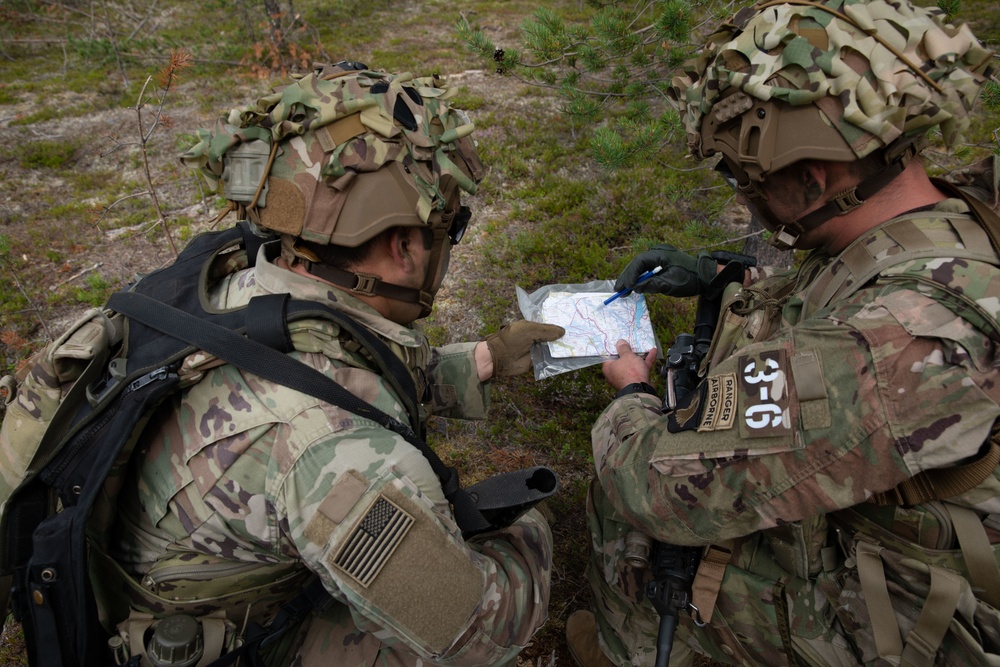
point(323, 131)
point(888, 69)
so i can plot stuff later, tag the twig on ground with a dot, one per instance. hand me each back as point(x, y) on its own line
point(31, 303)
point(75, 276)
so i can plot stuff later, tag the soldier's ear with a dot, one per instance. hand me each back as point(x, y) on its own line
point(815, 179)
point(399, 245)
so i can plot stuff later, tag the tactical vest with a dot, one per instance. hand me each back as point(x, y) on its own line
point(888, 566)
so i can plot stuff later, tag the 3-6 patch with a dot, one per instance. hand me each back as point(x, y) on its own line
point(373, 540)
point(764, 395)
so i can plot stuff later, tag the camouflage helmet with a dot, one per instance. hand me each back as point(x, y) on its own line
point(342, 154)
point(835, 80)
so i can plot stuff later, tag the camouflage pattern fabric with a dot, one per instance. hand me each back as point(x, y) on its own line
point(325, 131)
point(890, 69)
point(787, 428)
point(240, 472)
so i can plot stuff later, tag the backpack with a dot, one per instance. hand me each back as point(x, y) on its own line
point(83, 404)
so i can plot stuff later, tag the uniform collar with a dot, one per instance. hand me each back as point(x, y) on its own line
point(273, 279)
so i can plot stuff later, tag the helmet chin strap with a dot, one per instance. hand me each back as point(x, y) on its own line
point(786, 235)
point(781, 237)
point(368, 284)
point(850, 199)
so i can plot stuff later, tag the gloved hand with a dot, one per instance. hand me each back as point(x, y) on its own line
point(511, 346)
point(681, 275)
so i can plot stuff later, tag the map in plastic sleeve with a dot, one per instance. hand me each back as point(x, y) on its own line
point(593, 327)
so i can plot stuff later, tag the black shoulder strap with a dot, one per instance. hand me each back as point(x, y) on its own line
point(261, 360)
point(392, 369)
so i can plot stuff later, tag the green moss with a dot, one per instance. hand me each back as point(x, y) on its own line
point(44, 114)
point(46, 154)
point(73, 210)
point(94, 292)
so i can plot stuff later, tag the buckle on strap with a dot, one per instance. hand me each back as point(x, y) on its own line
point(708, 582)
point(847, 200)
point(366, 284)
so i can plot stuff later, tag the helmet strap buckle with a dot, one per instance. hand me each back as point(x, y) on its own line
point(365, 284)
point(902, 151)
point(783, 239)
point(847, 200)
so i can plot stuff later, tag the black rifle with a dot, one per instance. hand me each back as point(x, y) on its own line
point(673, 566)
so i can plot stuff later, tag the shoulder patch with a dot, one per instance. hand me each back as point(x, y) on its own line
point(764, 395)
point(719, 412)
point(408, 572)
point(373, 540)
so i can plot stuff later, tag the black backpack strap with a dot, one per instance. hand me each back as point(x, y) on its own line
point(251, 241)
point(272, 365)
point(392, 369)
point(267, 321)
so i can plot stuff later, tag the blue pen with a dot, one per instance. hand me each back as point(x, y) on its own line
point(643, 278)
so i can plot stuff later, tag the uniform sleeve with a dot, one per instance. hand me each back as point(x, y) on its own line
point(366, 514)
point(454, 383)
point(840, 406)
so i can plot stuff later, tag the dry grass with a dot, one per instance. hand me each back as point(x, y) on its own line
point(544, 214)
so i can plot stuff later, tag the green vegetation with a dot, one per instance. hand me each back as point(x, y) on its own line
point(72, 185)
point(95, 291)
point(46, 154)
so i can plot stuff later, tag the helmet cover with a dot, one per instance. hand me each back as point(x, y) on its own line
point(294, 157)
point(874, 72)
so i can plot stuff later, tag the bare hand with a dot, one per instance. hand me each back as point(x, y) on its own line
point(629, 367)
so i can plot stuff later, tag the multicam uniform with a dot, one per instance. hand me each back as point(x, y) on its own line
point(241, 472)
point(815, 398)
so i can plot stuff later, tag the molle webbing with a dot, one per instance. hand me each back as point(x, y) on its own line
point(941, 483)
point(950, 575)
point(987, 216)
point(894, 242)
point(199, 584)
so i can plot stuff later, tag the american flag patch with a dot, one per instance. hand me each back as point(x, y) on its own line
point(372, 542)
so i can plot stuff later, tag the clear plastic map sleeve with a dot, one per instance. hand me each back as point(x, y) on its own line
point(592, 327)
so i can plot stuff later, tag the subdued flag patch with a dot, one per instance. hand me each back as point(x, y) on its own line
point(373, 540)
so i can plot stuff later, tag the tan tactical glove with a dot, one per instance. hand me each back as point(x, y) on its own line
point(511, 346)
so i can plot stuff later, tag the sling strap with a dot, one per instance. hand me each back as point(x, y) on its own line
point(272, 365)
point(924, 640)
point(708, 581)
point(984, 573)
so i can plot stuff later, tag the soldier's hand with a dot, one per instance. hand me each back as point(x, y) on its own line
point(511, 346)
point(629, 367)
point(681, 274)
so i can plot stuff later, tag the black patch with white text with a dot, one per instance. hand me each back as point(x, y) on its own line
point(764, 395)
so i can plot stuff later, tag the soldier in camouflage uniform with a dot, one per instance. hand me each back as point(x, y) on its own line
point(836, 463)
point(246, 489)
